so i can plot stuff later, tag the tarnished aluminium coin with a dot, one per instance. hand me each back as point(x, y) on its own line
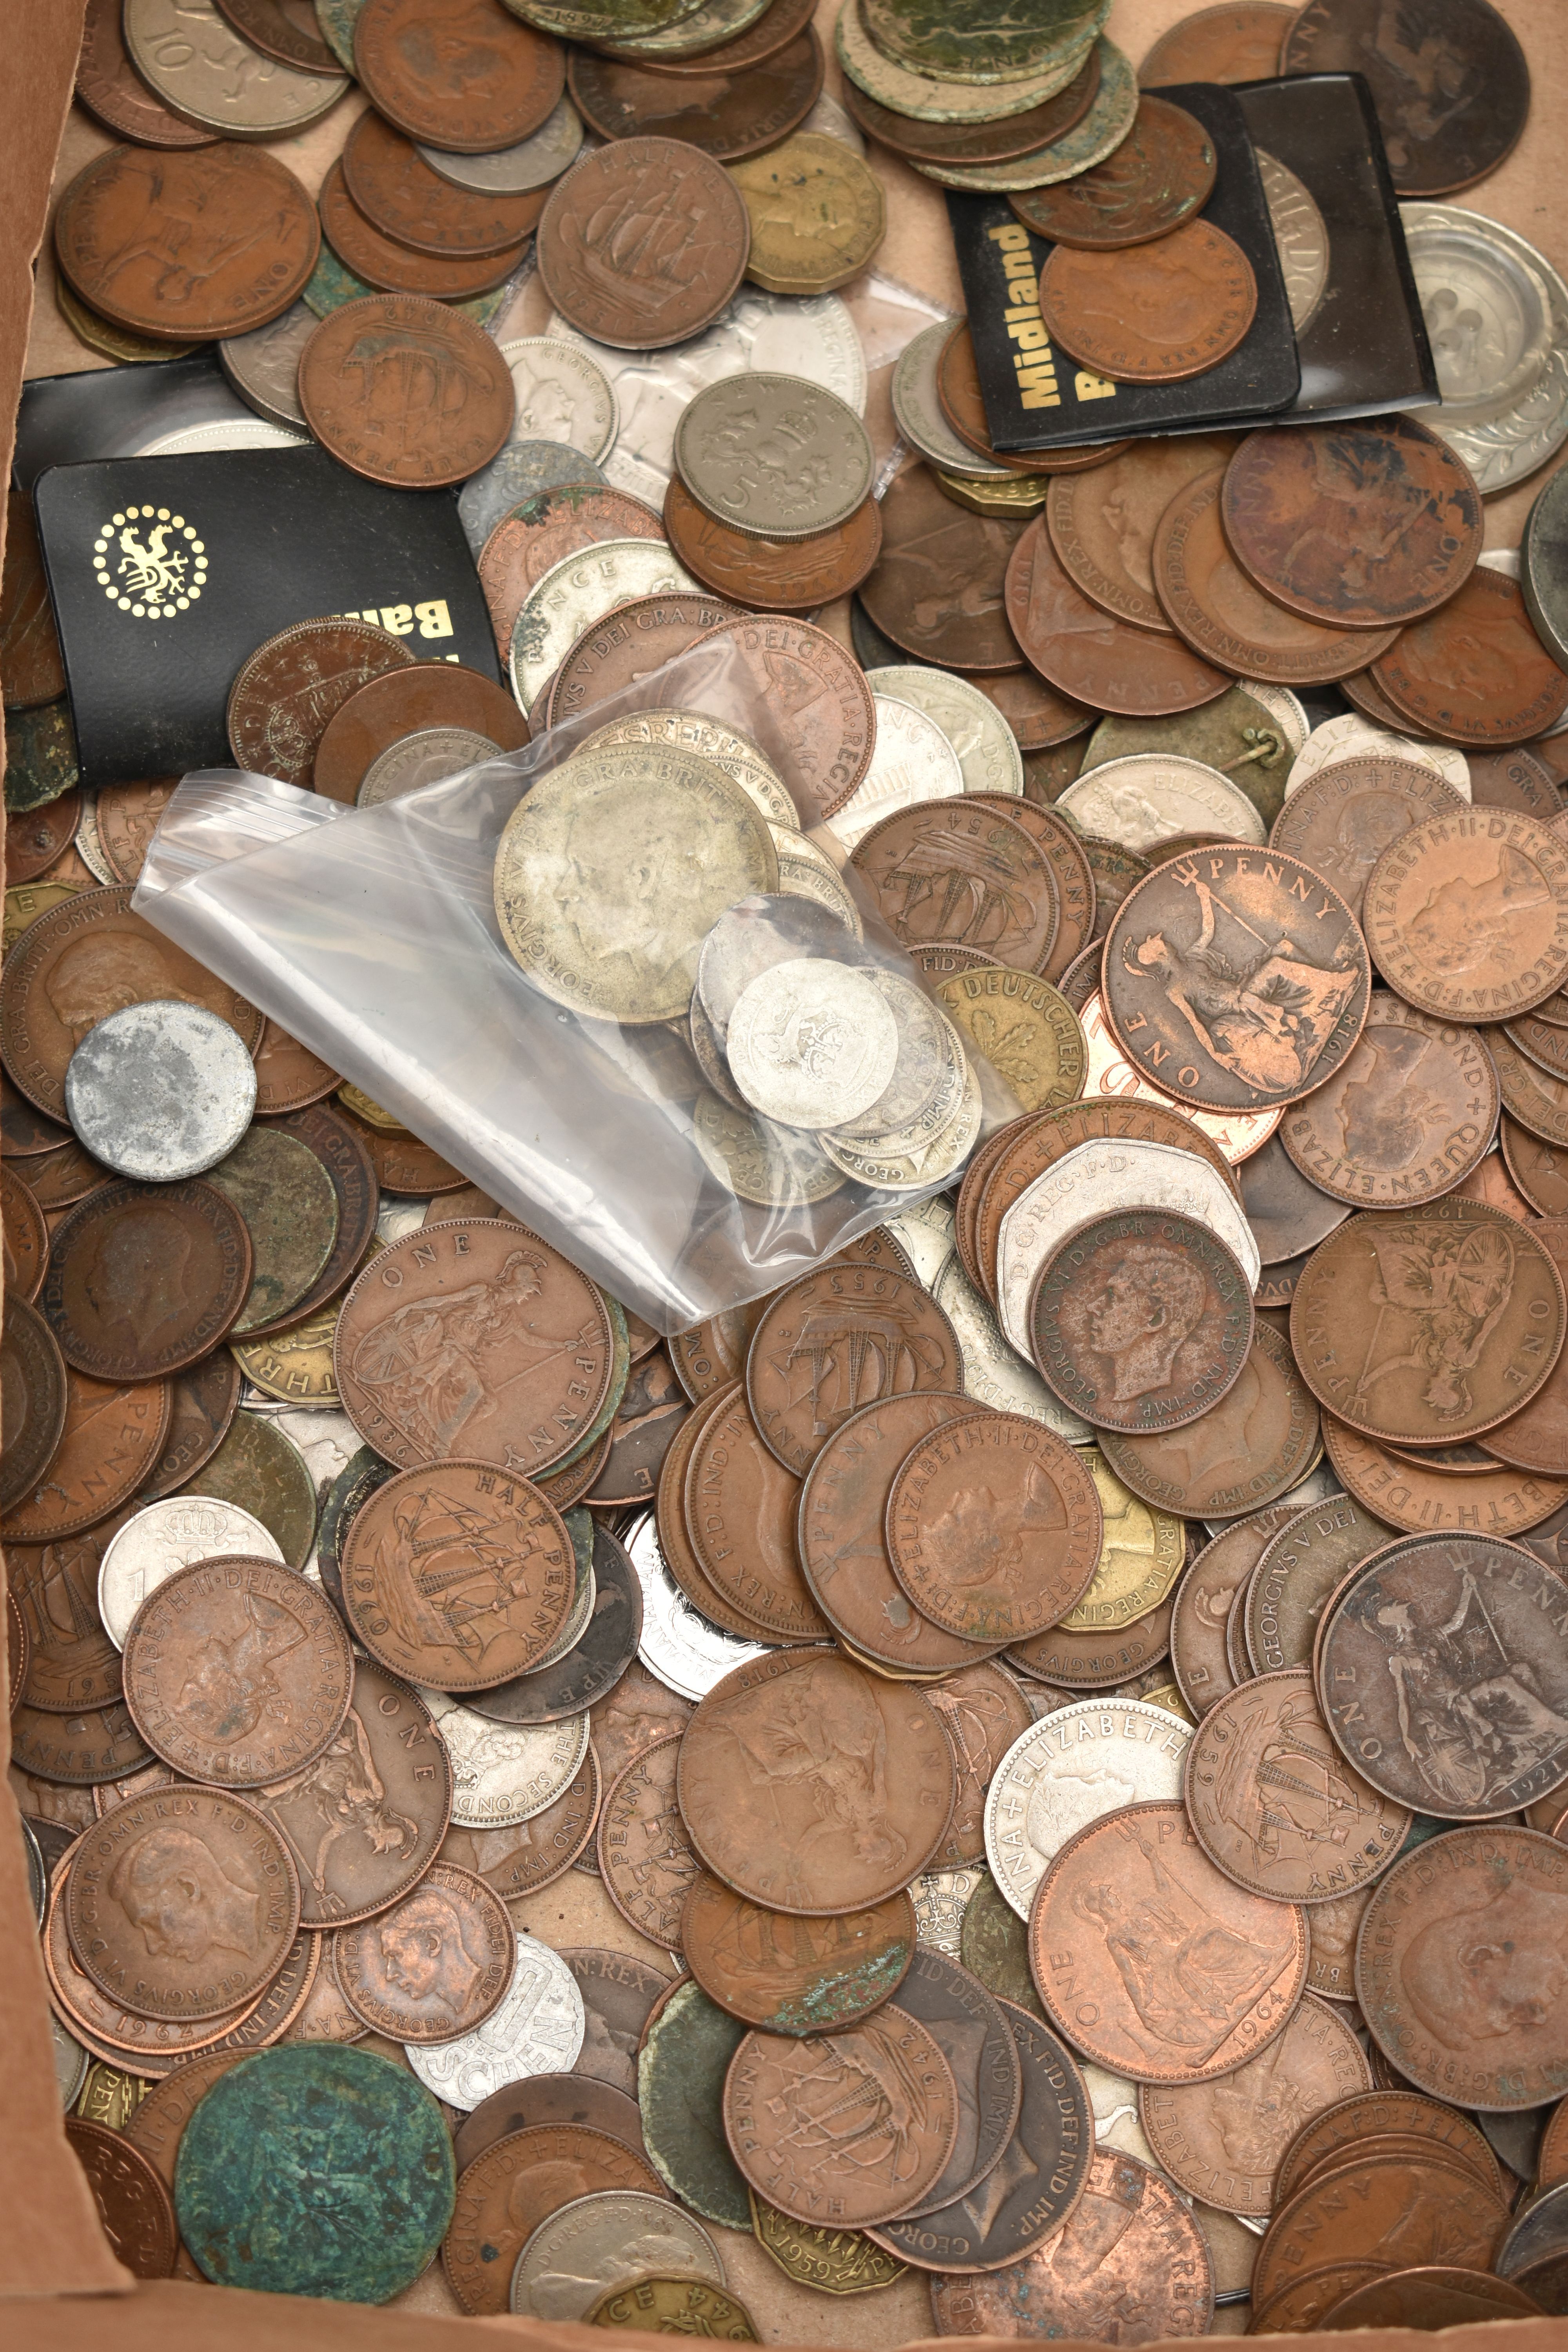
point(686, 1650)
point(160, 1091)
point(774, 455)
point(166, 1536)
point(263, 366)
point(1069, 1769)
point(574, 593)
point(610, 2236)
point(812, 1044)
point(523, 470)
point(515, 171)
point(537, 2028)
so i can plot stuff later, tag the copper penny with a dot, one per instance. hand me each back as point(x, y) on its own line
point(1363, 524)
point(1236, 42)
point(1431, 152)
point(518, 2182)
point(1410, 1111)
point(1201, 956)
point(962, 404)
point(72, 1664)
point(1303, 1567)
point(978, 142)
point(938, 587)
point(1552, 2164)
point(36, 839)
point(394, 268)
point(523, 1857)
point(729, 113)
point(1467, 914)
point(1421, 1501)
point(1430, 2297)
point(533, 1332)
point(1102, 524)
point(647, 1418)
point(1394, 2211)
point(1539, 1040)
point(379, 713)
point(434, 1965)
point(24, 1236)
point(574, 2098)
point(994, 1527)
point(1533, 1094)
point(645, 1855)
point(811, 1785)
point(1299, 2306)
point(1245, 1452)
point(29, 642)
point(156, 2125)
point(1329, 2140)
point(458, 1577)
point(110, 86)
point(961, 873)
point(1539, 1172)
point(1491, 1180)
point(1475, 672)
point(254, 249)
point(741, 1510)
point(282, 702)
point(626, 645)
point(772, 575)
point(1516, 779)
point(1161, 174)
point(844, 1337)
point(983, 1712)
point(643, 244)
point(395, 187)
point(1210, 1587)
point(86, 958)
point(404, 1164)
point(238, 1671)
point(1088, 653)
point(818, 700)
point(1066, 855)
point(182, 1904)
point(145, 1279)
point(542, 532)
point(466, 77)
point(713, 1355)
point(1341, 820)
point(80, 1749)
point(458, 427)
point(636, 1712)
point(792, 1975)
point(676, 1547)
point(134, 2205)
point(1152, 313)
point(127, 818)
point(288, 1077)
point(1430, 1326)
point(58, 1180)
point(781, 2098)
point(112, 1438)
point(1537, 1438)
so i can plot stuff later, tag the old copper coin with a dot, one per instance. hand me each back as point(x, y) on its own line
point(434, 1965)
point(1159, 177)
point(133, 2204)
point(1475, 672)
point(978, 142)
point(467, 80)
point(29, 642)
point(623, 647)
point(238, 1671)
point(782, 2100)
point(643, 244)
point(1433, 150)
point(1306, 1559)
point(458, 1577)
point(994, 1527)
point(961, 873)
point(1152, 313)
point(533, 1331)
point(1341, 819)
point(81, 960)
point(938, 587)
point(1430, 1326)
point(398, 702)
point(37, 838)
point(772, 575)
point(24, 1236)
point(1362, 525)
point(1088, 653)
point(288, 1077)
point(983, 1711)
point(741, 1511)
point(1141, 1320)
point(676, 1547)
point(395, 187)
point(1423, 1501)
point(1410, 1111)
point(705, 35)
point(71, 1663)
point(1533, 1094)
point(156, 2125)
point(254, 244)
point(542, 532)
point(404, 1164)
point(1201, 955)
point(1066, 855)
point(1102, 523)
point(1518, 780)
point(515, 2184)
point(282, 702)
point(1239, 41)
point(110, 86)
point(838, 1339)
point(393, 269)
point(1430, 2297)
point(145, 1279)
point(962, 406)
point(645, 1855)
point(974, 2035)
point(791, 1975)
point(1288, 1217)
point(112, 1437)
point(413, 445)
point(32, 1382)
point(819, 701)
point(728, 113)
point(181, 1905)
point(127, 817)
point(58, 1180)
point(811, 1785)
point(80, 1749)
point(1389, 2210)
point(1539, 1169)
point(1329, 2140)
point(1245, 1452)
point(1537, 1438)
point(1468, 915)
point(336, 1143)
point(1218, 1971)
point(1210, 1587)
point(576, 2098)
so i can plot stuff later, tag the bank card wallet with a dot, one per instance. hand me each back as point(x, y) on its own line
point(167, 573)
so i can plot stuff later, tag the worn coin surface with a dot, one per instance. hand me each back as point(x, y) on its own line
point(1253, 1447)
point(1239, 41)
point(145, 1279)
point(1408, 1116)
point(1395, 2209)
point(1306, 1558)
point(1209, 1590)
point(963, 872)
point(160, 1091)
point(1340, 818)
point(1468, 915)
point(434, 1965)
point(821, 702)
point(817, 214)
point(645, 1856)
point(514, 2186)
point(1475, 671)
point(397, 189)
point(845, 1337)
point(741, 1507)
point(610, 2236)
point(490, 83)
point(729, 114)
point(643, 244)
point(937, 588)
point(380, 264)
point(812, 1044)
point(1089, 652)
point(792, 1975)
point(132, 2201)
point(1160, 176)
point(914, 763)
point(417, 446)
point(1430, 153)
point(1152, 313)
point(1073, 1766)
point(537, 2028)
point(290, 689)
point(1102, 523)
point(974, 1515)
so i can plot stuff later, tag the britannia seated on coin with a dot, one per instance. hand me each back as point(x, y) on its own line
point(1498, 1967)
point(819, 1758)
point(424, 1364)
point(1469, 1718)
point(233, 1684)
point(1455, 1285)
point(182, 1901)
point(347, 1795)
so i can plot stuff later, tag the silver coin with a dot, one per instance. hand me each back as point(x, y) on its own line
point(503, 1774)
point(1091, 1181)
point(915, 1171)
point(775, 456)
point(520, 471)
point(223, 433)
point(911, 760)
point(425, 757)
point(926, 1234)
point(71, 2063)
point(577, 592)
point(169, 1535)
point(160, 1091)
point(196, 61)
point(1497, 318)
point(264, 366)
point(537, 2030)
point(772, 1167)
point(89, 847)
point(756, 935)
point(693, 730)
point(1352, 737)
point(37, 1871)
point(992, 1372)
point(1148, 797)
point(1113, 2101)
point(804, 873)
point(1287, 710)
point(812, 1044)
point(685, 1653)
point(986, 748)
point(561, 395)
point(916, 410)
point(1072, 1768)
point(585, 2248)
point(532, 162)
point(939, 1897)
point(1300, 236)
point(926, 1091)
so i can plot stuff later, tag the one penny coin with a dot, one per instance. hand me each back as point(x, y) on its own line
point(1420, 1500)
point(994, 1527)
point(1391, 2209)
point(283, 699)
point(413, 446)
point(434, 1965)
point(576, 2098)
point(24, 1236)
point(1160, 176)
point(643, 244)
point(1468, 915)
point(1239, 41)
point(394, 268)
point(1102, 523)
point(258, 240)
point(133, 2204)
point(819, 701)
point(113, 1436)
point(845, 1337)
point(1537, 1438)
point(145, 1279)
point(811, 1785)
point(1362, 525)
point(727, 114)
point(34, 1387)
point(645, 1855)
point(779, 2117)
point(1340, 820)
point(288, 1077)
point(82, 1749)
point(741, 1505)
point(394, 186)
point(791, 1975)
point(1088, 653)
point(1209, 1590)
point(1431, 152)
point(127, 818)
point(1244, 1453)
point(37, 838)
point(622, 648)
point(961, 873)
point(1476, 672)
point(962, 406)
point(1406, 1115)
point(467, 80)
point(937, 589)
point(517, 2183)
point(773, 575)
point(983, 1711)
point(1303, 1564)
point(182, 1906)
point(1152, 313)
point(1329, 2140)
point(401, 701)
point(1220, 1971)
point(1066, 853)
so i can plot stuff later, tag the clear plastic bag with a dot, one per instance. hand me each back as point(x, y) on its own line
point(371, 936)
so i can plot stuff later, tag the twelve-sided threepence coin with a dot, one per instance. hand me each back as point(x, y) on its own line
point(1352, 737)
point(911, 760)
point(160, 1091)
point(503, 1774)
point(813, 1043)
point(679, 1645)
point(1148, 797)
point(537, 2030)
point(167, 1536)
point(1090, 1183)
point(1069, 1769)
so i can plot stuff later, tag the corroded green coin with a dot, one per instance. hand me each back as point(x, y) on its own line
point(1234, 734)
point(332, 284)
point(993, 1944)
point(1100, 134)
point(975, 41)
point(265, 1474)
point(337, 19)
point(40, 756)
point(315, 2169)
point(925, 100)
point(680, 2089)
point(290, 1205)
